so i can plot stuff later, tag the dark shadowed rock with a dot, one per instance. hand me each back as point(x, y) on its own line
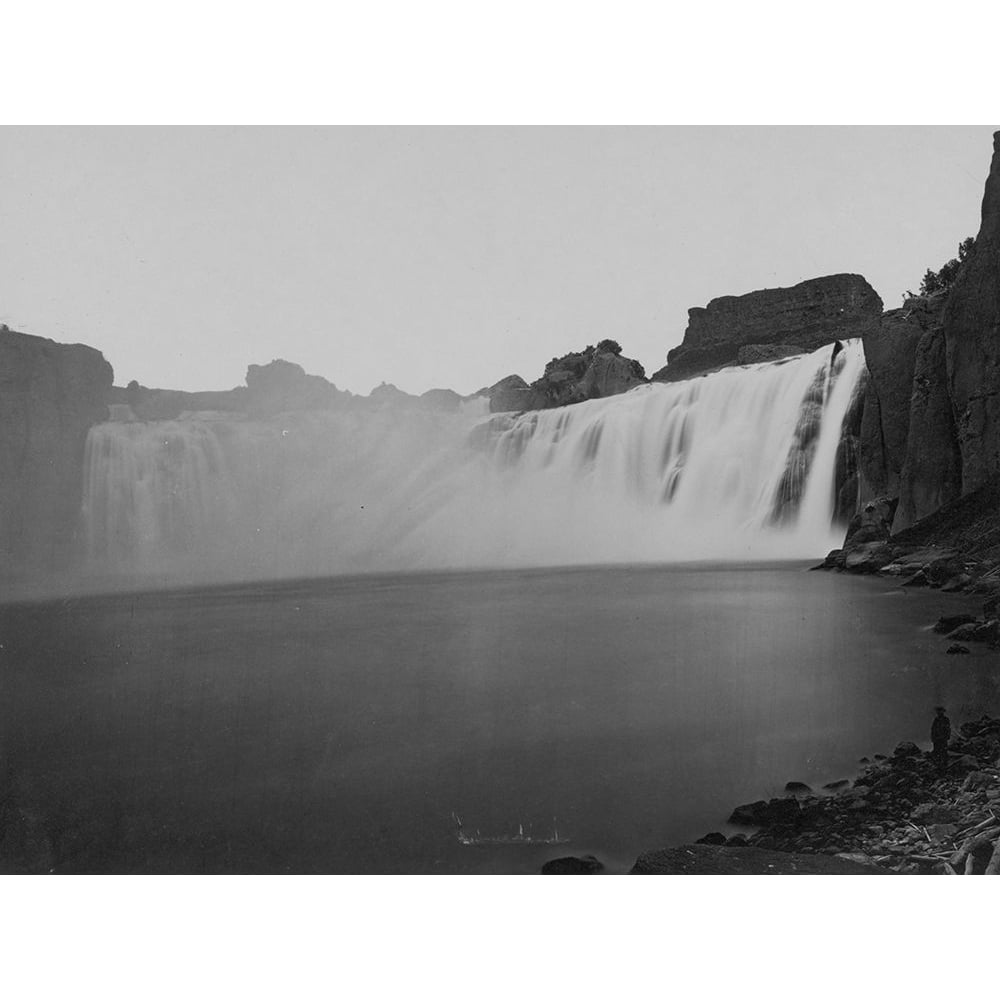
point(975, 632)
point(774, 812)
point(588, 374)
point(797, 788)
point(586, 865)
point(50, 396)
point(712, 838)
point(873, 523)
point(940, 571)
point(948, 623)
point(931, 474)
point(890, 351)
point(972, 340)
point(813, 313)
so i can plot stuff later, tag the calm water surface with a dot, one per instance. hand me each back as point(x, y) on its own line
point(336, 725)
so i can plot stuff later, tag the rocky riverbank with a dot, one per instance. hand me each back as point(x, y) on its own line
point(905, 812)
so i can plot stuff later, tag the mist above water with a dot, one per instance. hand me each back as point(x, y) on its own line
point(735, 465)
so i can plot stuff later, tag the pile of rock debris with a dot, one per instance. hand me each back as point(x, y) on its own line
point(908, 813)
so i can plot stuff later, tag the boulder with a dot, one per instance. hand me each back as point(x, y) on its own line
point(905, 749)
point(797, 788)
point(948, 623)
point(957, 650)
point(940, 571)
point(873, 523)
point(712, 838)
point(586, 865)
point(975, 631)
point(868, 557)
point(776, 812)
point(808, 315)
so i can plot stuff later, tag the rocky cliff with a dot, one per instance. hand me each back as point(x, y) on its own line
point(972, 343)
point(773, 322)
point(592, 373)
point(931, 422)
point(50, 395)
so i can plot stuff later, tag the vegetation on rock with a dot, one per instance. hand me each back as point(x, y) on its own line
point(941, 280)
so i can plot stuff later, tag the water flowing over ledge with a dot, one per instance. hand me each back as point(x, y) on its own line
point(736, 465)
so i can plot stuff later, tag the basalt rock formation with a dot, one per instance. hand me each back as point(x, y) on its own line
point(930, 430)
point(592, 373)
point(50, 395)
point(786, 320)
point(972, 343)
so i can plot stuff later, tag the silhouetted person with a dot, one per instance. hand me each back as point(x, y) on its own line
point(940, 735)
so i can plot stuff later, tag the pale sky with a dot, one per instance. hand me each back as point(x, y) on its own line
point(450, 258)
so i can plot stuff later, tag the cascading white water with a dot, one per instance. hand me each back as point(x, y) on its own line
point(735, 465)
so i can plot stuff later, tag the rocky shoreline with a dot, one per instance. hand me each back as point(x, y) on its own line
point(905, 813)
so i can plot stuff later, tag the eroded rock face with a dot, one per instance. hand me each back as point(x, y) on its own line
point(972, 342)
point(931, 475)
point(588, 374)
point(753, 354)
point(808, 315)
point(50, 396)
point(890, 353)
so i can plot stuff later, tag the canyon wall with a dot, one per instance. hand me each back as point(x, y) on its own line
point(50, 396)
point(972, 343)
point(773, 323)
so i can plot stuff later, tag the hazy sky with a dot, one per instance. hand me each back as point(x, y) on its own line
point(449, 257)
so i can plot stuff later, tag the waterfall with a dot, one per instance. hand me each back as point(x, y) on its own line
point(739, 464)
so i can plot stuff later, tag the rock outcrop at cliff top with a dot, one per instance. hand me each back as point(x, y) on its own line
point(50, 396)
point(804, 317)
point(972, 343)
point(592, 373)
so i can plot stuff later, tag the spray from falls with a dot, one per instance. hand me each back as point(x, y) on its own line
point(740, 464)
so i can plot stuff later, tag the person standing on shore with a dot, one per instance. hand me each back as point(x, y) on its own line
point(940, 735)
